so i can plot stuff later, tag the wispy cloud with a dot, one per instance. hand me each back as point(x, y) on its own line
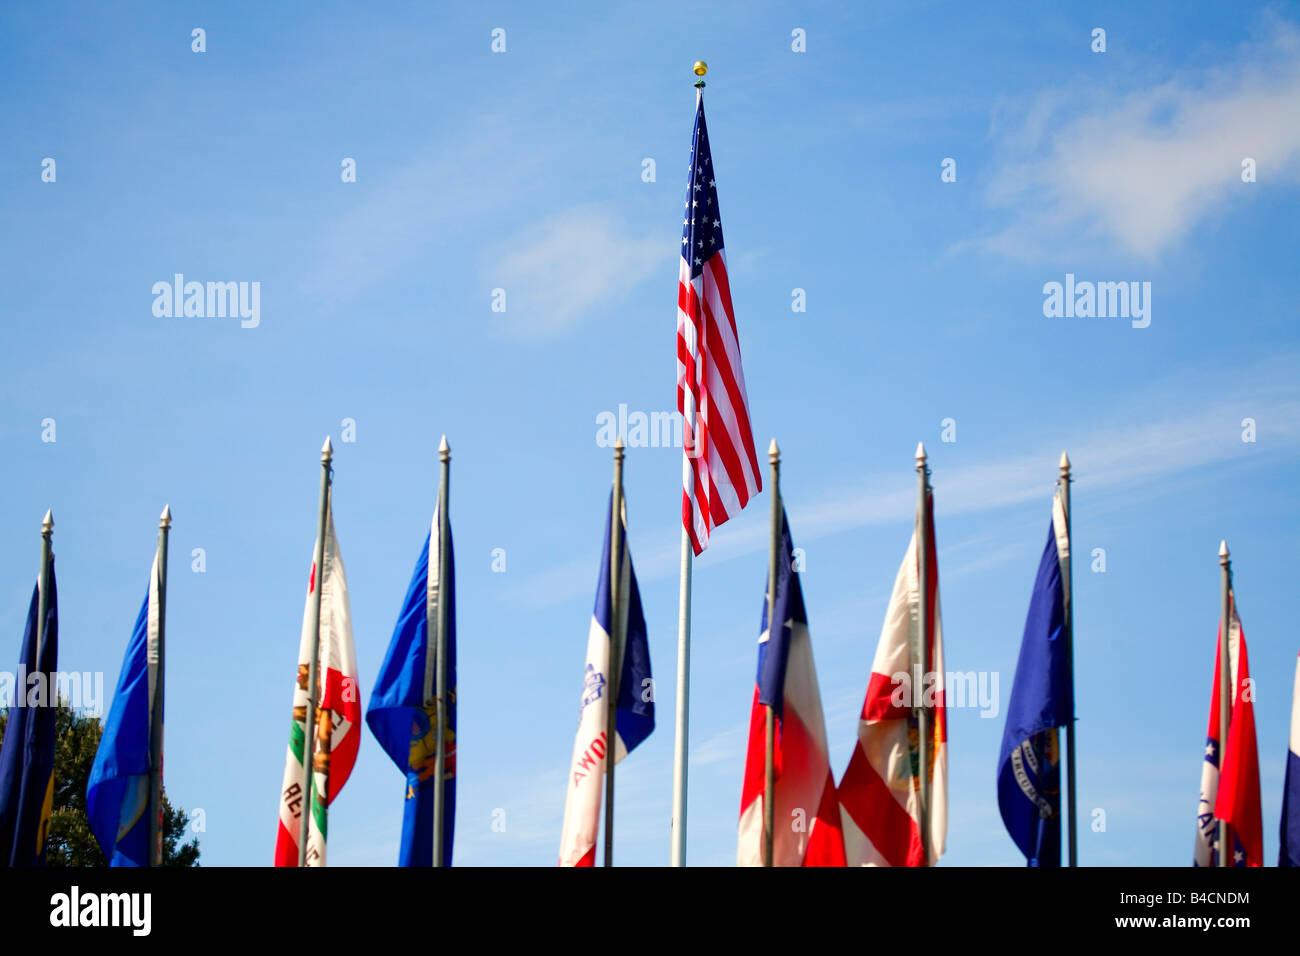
point(1113, 457)
point(1143, 168)
point(559, 271)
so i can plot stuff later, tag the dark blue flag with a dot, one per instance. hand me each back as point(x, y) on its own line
point(402, 713)
point(1289, 853)
point(27, 754)
point(117, 797)
point(1029, 767)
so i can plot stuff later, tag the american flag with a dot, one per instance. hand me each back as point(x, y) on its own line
point(720, 466)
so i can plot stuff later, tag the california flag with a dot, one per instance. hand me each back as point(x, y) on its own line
point(336, 724)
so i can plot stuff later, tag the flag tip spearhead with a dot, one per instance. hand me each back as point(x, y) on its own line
point(618, 443)
point(444, 450)
point(920, 451)
point(47, 522)
point(1223, 549)
point(327, 449)
point(165, 519)
point(773, 453)
point(1065, 462)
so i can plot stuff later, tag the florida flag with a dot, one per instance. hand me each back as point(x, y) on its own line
point(334, 732)
point(117, 797)
point(1289, 855)
point(879, 793)
point(806, 819)
point(634, 719)
point(1231, 792)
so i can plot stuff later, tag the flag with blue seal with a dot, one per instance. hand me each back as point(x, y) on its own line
point(1042, 700)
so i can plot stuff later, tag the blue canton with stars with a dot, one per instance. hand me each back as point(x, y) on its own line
point(702, 220)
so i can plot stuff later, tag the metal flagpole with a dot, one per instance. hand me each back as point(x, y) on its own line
point(678, 826)
point(615, 644)
point(43, 602)
point(1069, 657)
point(156, 705)
point(313, 674)
point(769, 765)
point(1225, 689)
point(921, 649)
point(444, 589)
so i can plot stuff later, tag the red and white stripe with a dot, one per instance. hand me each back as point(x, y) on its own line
point(879, 793)
point(720, 465)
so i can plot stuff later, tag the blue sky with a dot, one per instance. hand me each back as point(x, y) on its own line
point(522, 171)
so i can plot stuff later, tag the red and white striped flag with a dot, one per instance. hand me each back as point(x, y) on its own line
point(880, 794)
point(720, 466)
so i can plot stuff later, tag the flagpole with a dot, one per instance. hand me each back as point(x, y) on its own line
point(677, 837)
point(615, 644)
point(156, 705)
point(1225, 688)
point(1073, 820)
point(444, 590)
point(769, 764)
point(920, 651)
point(313, 676)
point(43, 601)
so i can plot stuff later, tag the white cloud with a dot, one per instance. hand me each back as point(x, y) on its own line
point(1132, 450)
point(1142, 169)
point(557, 272)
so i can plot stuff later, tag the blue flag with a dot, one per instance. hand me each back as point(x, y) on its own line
point(117, 797)
point(27, 754)
point(1289, 853)
point(1029, 768)
point(402, 713)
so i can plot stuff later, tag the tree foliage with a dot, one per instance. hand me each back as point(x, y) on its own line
point(71, 842)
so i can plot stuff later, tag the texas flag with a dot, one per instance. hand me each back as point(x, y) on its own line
point(636, 709)
point(1231, 792)
point(329, 738)
point(880, 792)
point(1289, 855)
point(806, 820)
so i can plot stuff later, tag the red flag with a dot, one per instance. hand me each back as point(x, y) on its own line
point(1230, 792)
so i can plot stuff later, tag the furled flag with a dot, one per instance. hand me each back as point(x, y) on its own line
point(334, 732)
point(1231, 792)
point(806, 824)
point(634, 719)
point(1289, 855)
point(27, 754)
point(720, 466)
point(1029, 767)
point(117, 797)
point(403, 712)
point(879, 793)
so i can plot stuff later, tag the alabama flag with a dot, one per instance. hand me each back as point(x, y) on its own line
point(879, 794)
point(634, 719)
point(1231, 792)
point(335, 727)
point(806, 818)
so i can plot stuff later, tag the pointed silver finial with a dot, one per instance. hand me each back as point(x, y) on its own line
point(1065, 462)
point(165, 519)
point(773, 453)
point(327, 449)
point(1223, 550)
point(47, 523)
point(444, 450)
point(618, 448)
point(920, 452)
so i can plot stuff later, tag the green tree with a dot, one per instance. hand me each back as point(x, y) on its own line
point(71, 842)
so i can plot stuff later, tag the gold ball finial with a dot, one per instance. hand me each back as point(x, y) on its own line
point(700, 68)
